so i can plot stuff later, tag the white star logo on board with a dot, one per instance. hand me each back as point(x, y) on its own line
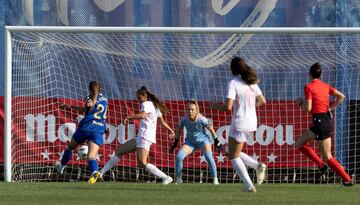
point(77, 157)
point(98, 156)
point(255, 157)
point(60, 154)
point(271, 158)
point(220, 158)
point(202, 159)
point(46, 154)
point(112, 154)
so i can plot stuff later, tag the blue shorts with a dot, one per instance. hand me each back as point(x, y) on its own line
point(83, 136)
point(198, 143)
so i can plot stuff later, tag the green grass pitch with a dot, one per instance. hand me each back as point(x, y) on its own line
point(80, 193)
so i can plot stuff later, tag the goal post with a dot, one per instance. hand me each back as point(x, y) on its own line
point(46, 66)
point(7, 107)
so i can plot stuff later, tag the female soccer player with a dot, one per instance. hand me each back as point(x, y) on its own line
point(244, 95)
point(196, 137)
point(150, 112)
point(91, 128)
point(317, 103)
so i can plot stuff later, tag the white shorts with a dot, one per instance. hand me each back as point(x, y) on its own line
point(240, 136)
point(143, 143)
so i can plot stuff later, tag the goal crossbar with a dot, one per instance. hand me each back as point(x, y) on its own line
point(204, 30)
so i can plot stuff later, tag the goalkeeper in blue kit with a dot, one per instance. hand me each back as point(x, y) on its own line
point(196, 137)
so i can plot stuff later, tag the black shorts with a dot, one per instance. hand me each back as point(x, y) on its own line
point(321, 126)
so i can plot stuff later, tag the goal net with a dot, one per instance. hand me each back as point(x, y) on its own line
point(55, 67)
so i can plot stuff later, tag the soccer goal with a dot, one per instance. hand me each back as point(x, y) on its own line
point(48, 66)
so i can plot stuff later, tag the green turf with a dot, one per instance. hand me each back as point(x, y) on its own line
point(80, 193)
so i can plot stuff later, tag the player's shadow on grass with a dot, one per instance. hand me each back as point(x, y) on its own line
point(168, 188)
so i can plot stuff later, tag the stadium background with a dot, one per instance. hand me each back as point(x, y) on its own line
point(283, 13)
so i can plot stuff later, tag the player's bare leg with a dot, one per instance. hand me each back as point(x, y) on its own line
point(325, 148)
point(300, 144)
point(239, 166)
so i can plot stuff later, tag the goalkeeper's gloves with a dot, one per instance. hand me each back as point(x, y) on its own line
point(172, 148)
point(218, 145)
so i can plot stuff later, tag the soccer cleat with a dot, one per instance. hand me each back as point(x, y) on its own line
point(260, 173)
point(252, 190)
point(167, 181)
point(95, 177)
point(347, 184)
point(178, 181)
point(59, 167)
point(323, 169)
point(216, 181)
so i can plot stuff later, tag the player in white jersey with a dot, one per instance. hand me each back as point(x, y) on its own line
point(196, 137)
point(243, 96)
point(150, 112)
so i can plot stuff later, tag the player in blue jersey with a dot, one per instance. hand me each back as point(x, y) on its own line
point(196, 137)
point(90, 130)
point(150, 112)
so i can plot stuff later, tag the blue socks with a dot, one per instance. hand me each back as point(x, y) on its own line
point(93, 166)
point(211, 163)
point(66, 157)
point(180, 156)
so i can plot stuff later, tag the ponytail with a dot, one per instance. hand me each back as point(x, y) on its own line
point(157, 103)
point(240, 68)
point(94, 87)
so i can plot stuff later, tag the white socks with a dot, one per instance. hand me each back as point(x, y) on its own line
point(249, 161)
point(110, 164)
point(155, 171)
point(149, 168)
point(241, 170)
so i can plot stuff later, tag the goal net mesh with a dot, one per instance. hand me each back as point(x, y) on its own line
point(49, 69)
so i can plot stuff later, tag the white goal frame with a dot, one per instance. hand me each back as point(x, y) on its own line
point(203, 30)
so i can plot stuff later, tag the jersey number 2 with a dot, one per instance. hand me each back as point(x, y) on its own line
point(101, 109)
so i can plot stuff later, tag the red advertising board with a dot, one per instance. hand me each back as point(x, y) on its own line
point(42, 131)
